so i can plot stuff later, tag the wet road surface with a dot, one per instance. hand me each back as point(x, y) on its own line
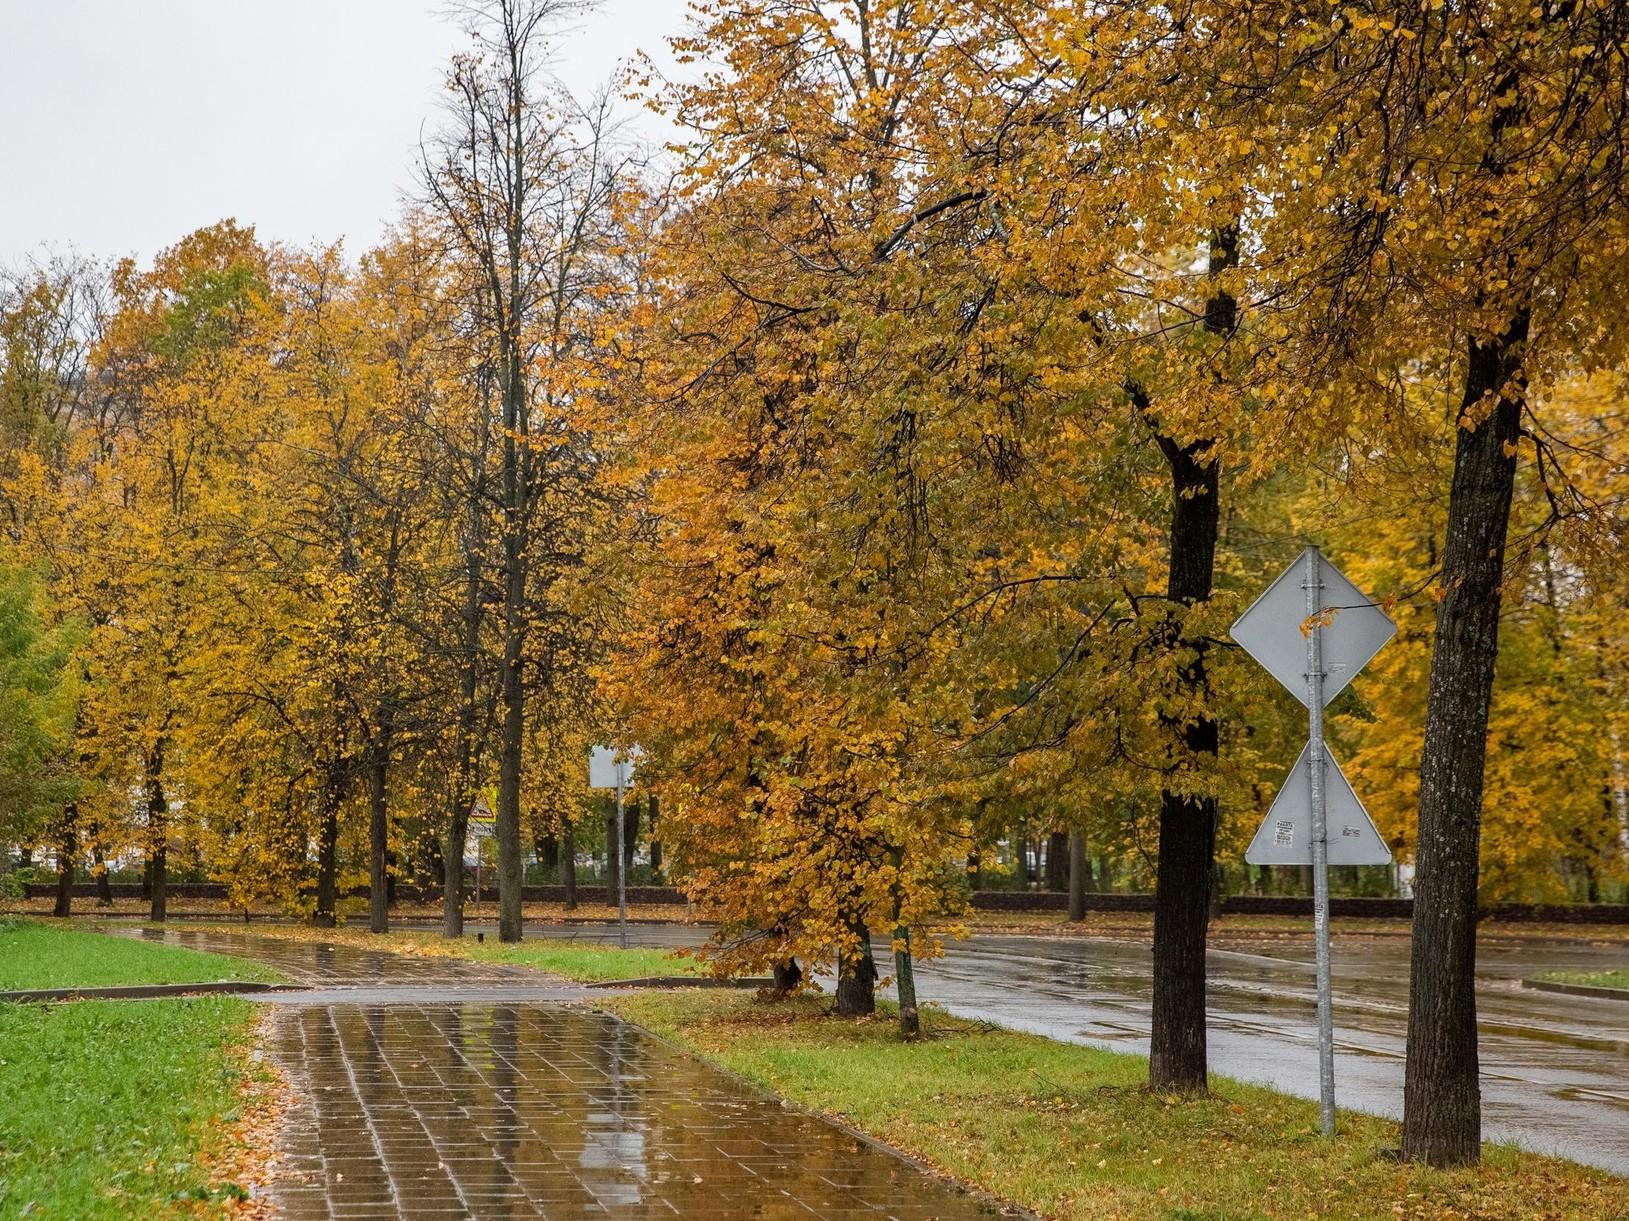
point(425, 1089)
point(1555, 1068)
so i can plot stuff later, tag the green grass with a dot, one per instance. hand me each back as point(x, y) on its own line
point(1592, 979)
point(109, 1105)
point(585, 961)
point(579, 960)
point(1071, 1132)
point(38, 955)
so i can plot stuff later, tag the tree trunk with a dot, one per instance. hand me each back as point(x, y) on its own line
point(104, 889)
point(630, 834)
point(1442, 1106)
point(1057, 861)
point(612, 864)
point(67, 849)
point(788, 975)
point(1079, 868)
point(548, 851)
point(910, 1020)
point(378, 833)
point(328, 803)
point(158, 833)
point(452, 872)
point(655, 844)
point(513, 738)
point(568, 866)
point(1187, 827)
point(857, 975)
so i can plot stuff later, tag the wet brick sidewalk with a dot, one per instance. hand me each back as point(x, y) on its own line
point(433, 1088)
point(479, 1110)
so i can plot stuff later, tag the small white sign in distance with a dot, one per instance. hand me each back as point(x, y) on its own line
point(1270, 631)
point(604, 762)
point(1285, 836)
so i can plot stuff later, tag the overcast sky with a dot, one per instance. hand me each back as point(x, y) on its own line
point(125, 124)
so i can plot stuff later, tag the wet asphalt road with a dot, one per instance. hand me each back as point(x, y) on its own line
point(1555, 1068)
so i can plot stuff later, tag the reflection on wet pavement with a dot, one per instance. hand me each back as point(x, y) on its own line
point(438, 1088)
point(458, 1110)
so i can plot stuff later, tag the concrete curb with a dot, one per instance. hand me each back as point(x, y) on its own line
point(681, 981)
point(1548, 985)
point(146, 992)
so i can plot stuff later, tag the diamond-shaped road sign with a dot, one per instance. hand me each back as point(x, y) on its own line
point(1285, 837)
point(1270, 631)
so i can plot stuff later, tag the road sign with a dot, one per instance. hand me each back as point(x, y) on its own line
point(1285, 837)
point(612, 767)
point(1274, 629)
point(1313, 630)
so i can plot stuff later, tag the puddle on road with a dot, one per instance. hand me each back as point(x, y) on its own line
point(487, 1110)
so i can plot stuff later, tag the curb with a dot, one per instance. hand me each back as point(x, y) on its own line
point(1547, 985)
point(681, 981)
point(144, 992)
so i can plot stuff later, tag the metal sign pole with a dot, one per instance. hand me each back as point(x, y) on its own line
point(1320, 841)
point(622, 864)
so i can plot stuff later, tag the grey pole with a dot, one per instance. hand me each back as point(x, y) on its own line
point(1320, 843)
point(622, 866)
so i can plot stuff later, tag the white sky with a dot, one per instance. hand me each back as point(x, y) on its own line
point(125, 124)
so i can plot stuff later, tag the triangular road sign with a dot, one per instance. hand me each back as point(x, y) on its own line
point(1285, 836)
point(1270, 631)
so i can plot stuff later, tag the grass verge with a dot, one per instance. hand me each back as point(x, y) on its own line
point(1590, 979)
point(585, 961)
point(1070, 1132)
point(122, 1108)
point(34, 954)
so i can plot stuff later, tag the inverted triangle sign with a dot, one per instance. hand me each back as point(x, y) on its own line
point(1285, 835)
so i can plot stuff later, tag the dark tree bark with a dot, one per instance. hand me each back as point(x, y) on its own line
point(452, 872)
point(548, 851)
point(67, 849)
point(1079, 871)
point(788, 975)
point(857, 976)
point(378, 832)
point(158, 835)
point(329, 800)
point(1057, 861)
point(1442, 1106)
point(1187, 826)
point(104, 889)
point(630, 837)
point(568, 866)
point(613, 866)
point(655, 844)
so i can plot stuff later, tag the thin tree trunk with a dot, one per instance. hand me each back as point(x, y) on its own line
point(378, 832)
point(67, 850)
point(1057, 861)
point(1079, 868)
point(568, 866)
point(158, 833)
point(1187, 826)
point(510, 869)
point(329, 801)
point(548, 851)
point(1442, 1106)
point(910, 1020)
point(612, 864)
point(630, 834)
point(857, 975)
point(104, 889)
point(452, 873)
point(655, 844)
